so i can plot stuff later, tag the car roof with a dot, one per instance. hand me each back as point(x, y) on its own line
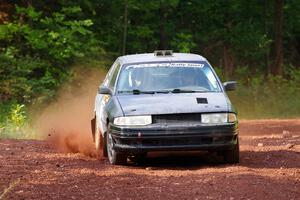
point(150, 57)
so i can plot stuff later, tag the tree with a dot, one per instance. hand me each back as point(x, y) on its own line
point(125, 27)
point(276, 68)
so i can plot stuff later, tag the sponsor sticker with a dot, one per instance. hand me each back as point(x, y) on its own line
point(175, 64)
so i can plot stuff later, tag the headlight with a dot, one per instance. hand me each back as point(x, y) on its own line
point(133, 121)
point(218, 118)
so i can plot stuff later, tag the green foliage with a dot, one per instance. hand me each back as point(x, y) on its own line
point(57, 38)
point(183, 42)
point(27, 78)
point(17, 116)
point(36, 47)
point(41, 41)
point(15, 124)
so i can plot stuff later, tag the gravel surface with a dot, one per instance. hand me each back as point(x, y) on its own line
point(269, 169)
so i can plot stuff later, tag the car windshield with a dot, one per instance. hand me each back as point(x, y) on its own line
point(167, 77)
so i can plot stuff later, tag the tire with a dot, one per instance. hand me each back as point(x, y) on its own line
point(114, 157)
point(232, 156)
point(100, 142)
point(104, 146)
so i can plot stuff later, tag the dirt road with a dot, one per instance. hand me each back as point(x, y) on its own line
point(269, 169)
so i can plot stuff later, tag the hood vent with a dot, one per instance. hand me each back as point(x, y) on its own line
point(201, 100)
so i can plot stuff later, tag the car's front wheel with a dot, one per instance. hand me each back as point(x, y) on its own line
point(100, 142)
point(115, 158)
point(232, 156)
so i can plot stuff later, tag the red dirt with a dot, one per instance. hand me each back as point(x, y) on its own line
point(269, 169)
point(66, 121)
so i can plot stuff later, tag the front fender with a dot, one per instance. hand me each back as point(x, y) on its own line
point(100, 112)
point(106, 109)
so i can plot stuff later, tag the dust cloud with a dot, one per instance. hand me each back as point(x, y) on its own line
point(66, 121)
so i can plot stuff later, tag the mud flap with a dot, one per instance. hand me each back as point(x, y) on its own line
point(93, 127)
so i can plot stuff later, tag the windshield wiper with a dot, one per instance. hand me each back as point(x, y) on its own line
point(136, 91)
point(177, 90)
point(161, 91)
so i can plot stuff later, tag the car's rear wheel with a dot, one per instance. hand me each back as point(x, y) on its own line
point(232, 156)
point(114, 157)
point(100, 142)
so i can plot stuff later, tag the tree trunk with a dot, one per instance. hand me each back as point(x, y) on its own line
point(227, 57)
point(227, 61)
point(276, 68)
point(125, 28)
point(265, 18)
point(162, 32)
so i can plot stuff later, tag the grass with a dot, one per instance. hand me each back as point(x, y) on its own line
point(23, 134)
point(11, 186)
point(266, 103)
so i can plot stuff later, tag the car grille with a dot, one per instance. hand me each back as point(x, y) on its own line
point(175, 118)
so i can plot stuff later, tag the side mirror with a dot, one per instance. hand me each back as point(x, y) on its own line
point(104, 90)
point(230, 85)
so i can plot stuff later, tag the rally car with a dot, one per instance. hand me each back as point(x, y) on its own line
point(164, 101)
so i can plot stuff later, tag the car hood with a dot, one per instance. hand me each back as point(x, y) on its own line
point(151, 104)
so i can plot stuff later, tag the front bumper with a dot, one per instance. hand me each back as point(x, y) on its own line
point(175, 137)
